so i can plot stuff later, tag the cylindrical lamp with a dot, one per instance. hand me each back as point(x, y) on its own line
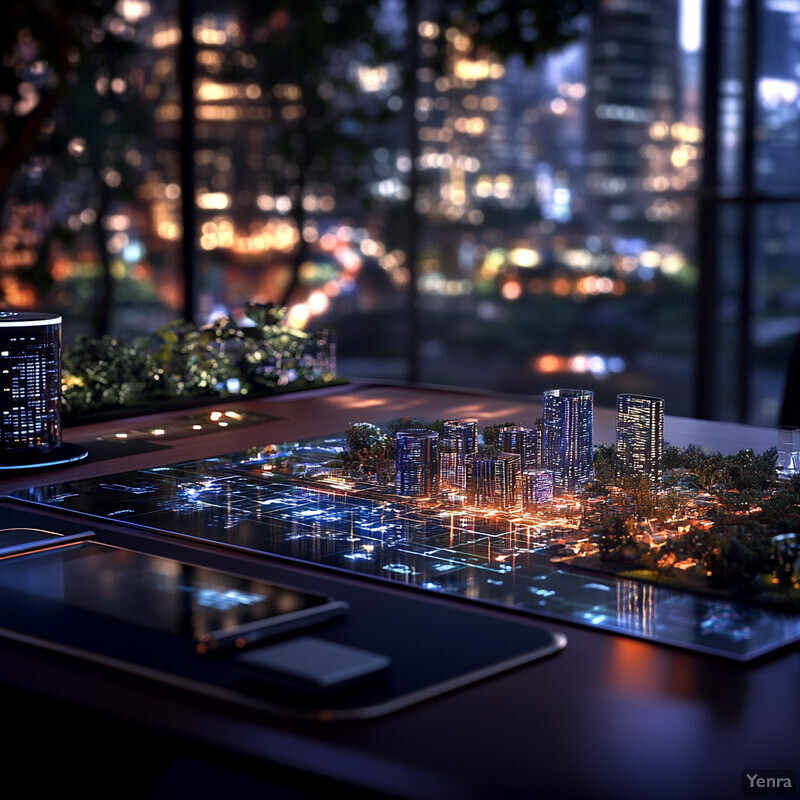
point(30, 390)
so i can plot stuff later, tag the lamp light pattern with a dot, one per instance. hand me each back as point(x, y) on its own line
point(30, 383)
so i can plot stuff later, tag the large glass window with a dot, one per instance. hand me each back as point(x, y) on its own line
point(399, 172)
point(752, 294)
point(556, 207)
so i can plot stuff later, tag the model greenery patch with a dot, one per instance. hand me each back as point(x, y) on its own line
point(181, 361)
point(721, 523)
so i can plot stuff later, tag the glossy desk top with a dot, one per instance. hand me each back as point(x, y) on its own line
point(609, 716)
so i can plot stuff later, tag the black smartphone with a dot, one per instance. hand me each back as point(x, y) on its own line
point(215, 609)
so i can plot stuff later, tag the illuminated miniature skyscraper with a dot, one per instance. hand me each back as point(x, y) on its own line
point(640, 436)
point(480, 479)
point(567, 437)
point(417, 463)
point(493, 481)
point(30, 383)
point(537, 488)
point(507, 481)
point(460, 439)
point(523, 442)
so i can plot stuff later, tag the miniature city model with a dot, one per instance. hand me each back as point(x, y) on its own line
point(687, 519)
point(679, 546)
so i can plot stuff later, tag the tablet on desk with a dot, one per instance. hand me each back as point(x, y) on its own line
point(92, 581)
point(146, 617)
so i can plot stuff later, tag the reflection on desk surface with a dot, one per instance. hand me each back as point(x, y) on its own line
point(300, 512)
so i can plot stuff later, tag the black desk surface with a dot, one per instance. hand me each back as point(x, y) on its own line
point(608, 717)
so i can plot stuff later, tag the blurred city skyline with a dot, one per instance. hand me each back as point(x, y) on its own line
point(555, 239)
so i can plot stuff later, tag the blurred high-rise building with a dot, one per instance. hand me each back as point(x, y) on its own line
point(638, 148)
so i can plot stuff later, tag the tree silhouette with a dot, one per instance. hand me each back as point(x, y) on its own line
point(639, 489)
point(309, 58)
point(614, 538)
point(68, 136)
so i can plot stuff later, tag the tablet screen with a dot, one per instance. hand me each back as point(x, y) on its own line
point(155, 592)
